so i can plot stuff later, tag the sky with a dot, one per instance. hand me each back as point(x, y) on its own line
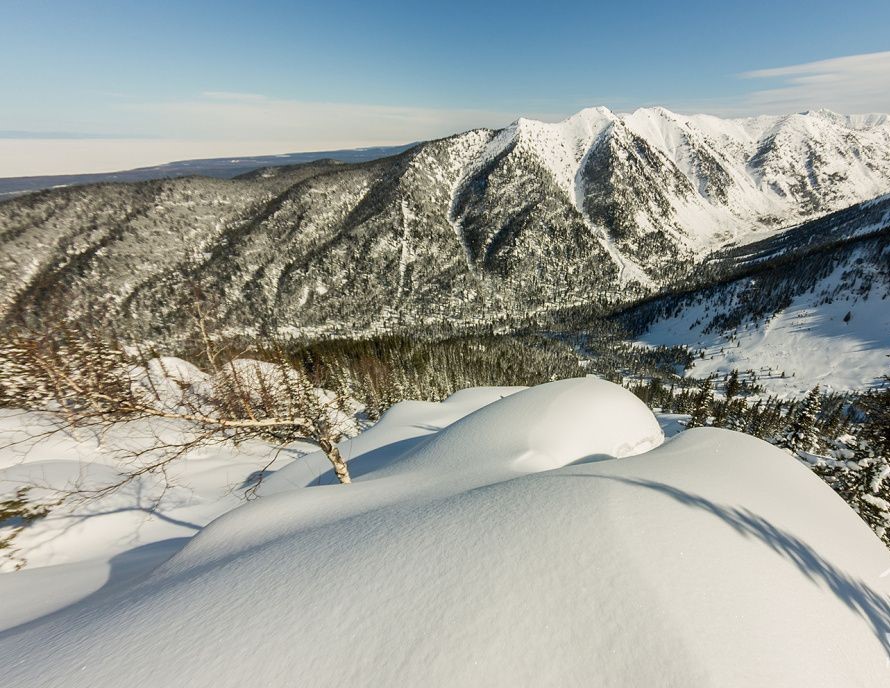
point(96, 85)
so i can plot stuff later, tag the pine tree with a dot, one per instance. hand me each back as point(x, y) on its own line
point(736, 415)
point(702, 409)
point(803, 434)
point(731, 386)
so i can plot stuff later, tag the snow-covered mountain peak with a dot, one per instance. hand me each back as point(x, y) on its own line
point(577, 127)
point(825, 113)
point(709, 179)
point(591, 115)
point(860, 122)
point(561, 146)
point(655, 111)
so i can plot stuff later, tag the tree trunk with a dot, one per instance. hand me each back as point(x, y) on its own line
point(333, 453)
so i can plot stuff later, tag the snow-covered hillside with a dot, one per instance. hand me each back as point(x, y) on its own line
point(485, 225)
point(824, 320)
point(503, 537)
point(805, 344)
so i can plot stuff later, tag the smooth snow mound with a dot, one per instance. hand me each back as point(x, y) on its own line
point(511, 548)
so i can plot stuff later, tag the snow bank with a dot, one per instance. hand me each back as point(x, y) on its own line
point(524, 544)
point(84, 547)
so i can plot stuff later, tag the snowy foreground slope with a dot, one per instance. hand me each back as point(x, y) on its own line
point(547, 538)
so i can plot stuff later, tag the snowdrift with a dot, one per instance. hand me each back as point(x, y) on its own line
point(548, 538)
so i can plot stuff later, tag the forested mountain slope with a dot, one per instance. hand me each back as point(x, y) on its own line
point(594, 211)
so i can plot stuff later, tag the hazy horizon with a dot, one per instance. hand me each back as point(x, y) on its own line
point(104, 86)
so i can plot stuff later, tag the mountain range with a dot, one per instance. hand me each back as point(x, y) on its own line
point(597, 211)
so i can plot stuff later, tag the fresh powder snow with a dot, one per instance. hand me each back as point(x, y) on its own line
point(506, 536)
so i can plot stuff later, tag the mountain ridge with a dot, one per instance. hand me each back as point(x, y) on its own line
point(600, 208)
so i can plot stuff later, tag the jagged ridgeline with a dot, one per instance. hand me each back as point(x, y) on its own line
point(481, 228)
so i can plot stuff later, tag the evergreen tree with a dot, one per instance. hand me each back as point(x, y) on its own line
point(701, 411)
point(876, 428)
point(731, 386)
point(803, 433)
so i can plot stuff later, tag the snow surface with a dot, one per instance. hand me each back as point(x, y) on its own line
point(503, 537)
point(109, 539)
point(808, 340)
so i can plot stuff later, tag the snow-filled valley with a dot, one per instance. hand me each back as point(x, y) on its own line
point(506, 536)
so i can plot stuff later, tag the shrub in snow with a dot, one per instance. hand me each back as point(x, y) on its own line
point(94, 383)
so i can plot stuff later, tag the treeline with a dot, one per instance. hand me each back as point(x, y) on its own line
point(381, 371)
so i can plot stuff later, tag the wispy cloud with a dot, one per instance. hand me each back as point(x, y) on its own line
point(852, 84)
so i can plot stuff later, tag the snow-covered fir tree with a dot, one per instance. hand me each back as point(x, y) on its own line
point(803, 434)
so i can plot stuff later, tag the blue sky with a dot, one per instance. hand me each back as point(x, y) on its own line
point(340, 73)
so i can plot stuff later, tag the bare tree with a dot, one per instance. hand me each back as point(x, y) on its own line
point(94, 382)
